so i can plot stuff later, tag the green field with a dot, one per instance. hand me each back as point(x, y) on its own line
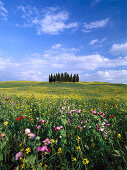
point(84, 123)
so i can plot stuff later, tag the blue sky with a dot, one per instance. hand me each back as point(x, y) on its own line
point(88, 37)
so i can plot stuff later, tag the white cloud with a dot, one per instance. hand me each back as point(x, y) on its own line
point(92, 42)
point(50, 20)
point(3, 11)
point(119, 49)
point(97, 43)
point(96, 24)
point(56, 46)
point(59, 59)
point(111, 76)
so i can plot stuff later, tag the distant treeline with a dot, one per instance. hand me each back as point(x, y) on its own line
point(63, 77)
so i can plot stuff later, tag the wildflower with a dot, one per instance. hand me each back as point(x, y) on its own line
point(119, 135)
point(107, 125)
point(85, 161)
point(43, 149)
point(31, 135)
point(46, 141)
point(82, 121)
point(79, 111)
point(78, 139)
point(27, 130)
point(37, 127)
point(5, 123)
point(52, 141)
point(40, 165)
point(111, 116)
point(74, 160)
point(59, 151)
point(79, 127)
point(45, 167)
point(78, 148)
point(42, 121)
point(28, 150)
point(2, 135)
point(21, 117)
point(6, 98)
point(57, 128)
point(18, 155)
point(18, 118)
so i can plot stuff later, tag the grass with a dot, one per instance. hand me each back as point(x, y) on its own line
point(84, 124)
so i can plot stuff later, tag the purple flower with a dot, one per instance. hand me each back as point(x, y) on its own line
point(6, 98)
point(18, 155)
point(31, 135)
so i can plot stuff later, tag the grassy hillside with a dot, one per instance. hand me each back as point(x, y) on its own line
point(61, 126)
point(65, 90)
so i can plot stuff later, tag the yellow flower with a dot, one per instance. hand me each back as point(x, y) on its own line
point(78, 148)
point(20, 144)
point(45, 167)
point(22, 149)
point(59, 151)
point(52, 141)
point(78, 139)
point(85, 161)
point(28, 150)
point(74, 159)
point(5, 123)
point(119, 135)
point(40, 164)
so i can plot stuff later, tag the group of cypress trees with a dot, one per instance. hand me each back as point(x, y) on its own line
point(63, 77)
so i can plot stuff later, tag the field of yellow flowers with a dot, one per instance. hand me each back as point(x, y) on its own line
point(63, 126)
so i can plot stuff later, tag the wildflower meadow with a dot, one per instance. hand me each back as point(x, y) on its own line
point(63, 126)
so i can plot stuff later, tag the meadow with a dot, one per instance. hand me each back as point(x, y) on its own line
point(63, 126)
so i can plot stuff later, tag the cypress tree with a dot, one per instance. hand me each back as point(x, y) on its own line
point(71, 78)
point(54, 77)
point(58, 76)
point(74, 77)
point(77, 78)
point(62, 77)
point(51, 78)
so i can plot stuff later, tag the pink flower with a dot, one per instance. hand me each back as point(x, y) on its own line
point(46, 141)
point(79, 127)
point(94, 112)
point(37, 127)
point(42, 121)
point(103, 115)
point(43, 149)
point(82, 121)
point(57, 128)
point(79, 111)
point(107, 125)
point(72, 111)
point(1, 135)
point(31, 135)
point(18, 155)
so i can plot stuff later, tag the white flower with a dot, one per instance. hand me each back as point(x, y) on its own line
point(27, 130)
